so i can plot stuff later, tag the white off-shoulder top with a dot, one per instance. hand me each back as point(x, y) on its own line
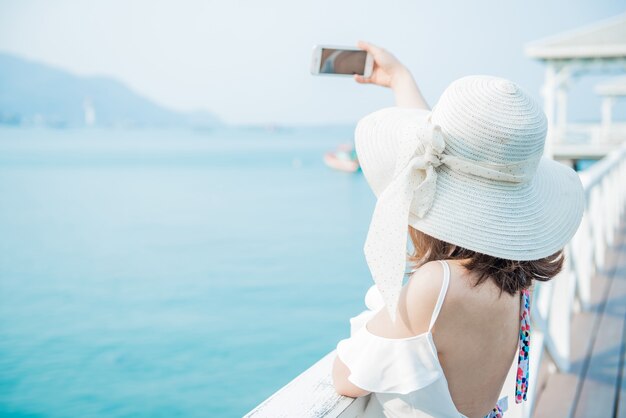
point(403, 374)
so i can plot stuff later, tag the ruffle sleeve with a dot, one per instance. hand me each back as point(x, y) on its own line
point(374, 302)
point(387, 365)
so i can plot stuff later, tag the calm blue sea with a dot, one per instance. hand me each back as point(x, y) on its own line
point(171, 273)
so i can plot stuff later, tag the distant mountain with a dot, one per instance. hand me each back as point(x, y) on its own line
point(32, 93)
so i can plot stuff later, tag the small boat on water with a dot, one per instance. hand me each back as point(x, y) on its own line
point(342, 159)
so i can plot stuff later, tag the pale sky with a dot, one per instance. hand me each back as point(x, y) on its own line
point(248, 61)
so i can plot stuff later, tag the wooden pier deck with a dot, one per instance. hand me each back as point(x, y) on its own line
point(595, 385)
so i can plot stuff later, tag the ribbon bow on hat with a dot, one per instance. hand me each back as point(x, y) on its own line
point(413, 188)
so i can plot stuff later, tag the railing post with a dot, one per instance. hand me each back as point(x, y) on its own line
point(581, 254)
point(559, 321)
point(597, 227)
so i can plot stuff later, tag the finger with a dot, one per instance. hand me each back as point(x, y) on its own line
point(371, 48)
point(361, 80)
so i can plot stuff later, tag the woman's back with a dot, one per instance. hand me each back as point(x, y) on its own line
point(476, 337)
point(475, 333)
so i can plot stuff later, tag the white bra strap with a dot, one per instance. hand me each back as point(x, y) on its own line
point(442, 293)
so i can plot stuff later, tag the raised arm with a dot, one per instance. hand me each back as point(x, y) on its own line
point(389, 72)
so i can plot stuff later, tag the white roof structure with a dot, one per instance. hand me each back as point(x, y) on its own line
point(605, 40)
point(599, 46)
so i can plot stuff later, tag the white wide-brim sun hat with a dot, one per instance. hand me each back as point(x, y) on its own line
point(471, 173)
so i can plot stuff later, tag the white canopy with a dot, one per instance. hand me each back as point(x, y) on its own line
point(599, 46)
point(605, 39)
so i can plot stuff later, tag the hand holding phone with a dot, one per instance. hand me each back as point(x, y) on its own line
point(387, 69)
point(341, 60)
point(369, 64)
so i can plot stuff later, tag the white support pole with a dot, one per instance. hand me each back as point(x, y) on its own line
point(561, 108)
point(549, 88)
point(607, 110)
point(607, 117)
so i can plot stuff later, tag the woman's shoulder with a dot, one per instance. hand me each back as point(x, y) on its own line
point(472, 307)
point(421, 294)
point(460, 295)
point(415, 305)
point(426, 280)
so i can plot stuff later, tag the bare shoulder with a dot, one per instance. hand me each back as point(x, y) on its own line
point(421, 294)
point(425, 283)
point(415, 305)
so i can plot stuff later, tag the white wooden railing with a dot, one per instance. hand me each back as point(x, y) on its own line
point(312, 394)
point(555, 301)
point(586, 141)
point(591, 133)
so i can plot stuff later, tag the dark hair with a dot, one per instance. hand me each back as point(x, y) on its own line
point(510, 275)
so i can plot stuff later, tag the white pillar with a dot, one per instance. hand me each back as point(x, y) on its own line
point(607, 116)
point(561, 108)
point(548, 106)
point(607, 110)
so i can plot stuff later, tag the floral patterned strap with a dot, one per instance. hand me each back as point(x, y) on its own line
point(521, 386)
point(498, 411)
point(495, 413)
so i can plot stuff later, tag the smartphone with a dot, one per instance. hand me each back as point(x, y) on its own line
point(341, 60)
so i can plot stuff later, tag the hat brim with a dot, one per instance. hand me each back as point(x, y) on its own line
point(526, 221)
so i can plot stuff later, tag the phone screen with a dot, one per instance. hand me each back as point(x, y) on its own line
point(342, 61)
